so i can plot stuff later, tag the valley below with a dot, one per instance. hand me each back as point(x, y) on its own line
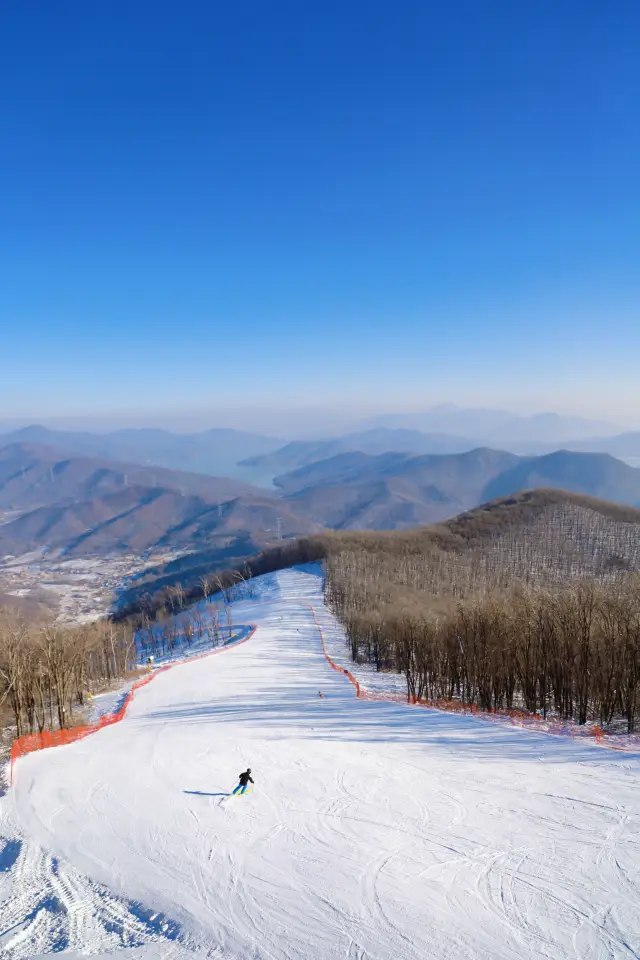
point(75, 590)
point(82, 531)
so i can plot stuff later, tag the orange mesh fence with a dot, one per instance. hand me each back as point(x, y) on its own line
point(519, 718)
point(57, 738)
point(53, 738)
point(334, 666)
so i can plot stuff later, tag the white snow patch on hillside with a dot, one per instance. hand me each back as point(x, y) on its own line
point(373, 831)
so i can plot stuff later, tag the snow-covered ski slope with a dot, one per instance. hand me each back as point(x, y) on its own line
point(374, 830)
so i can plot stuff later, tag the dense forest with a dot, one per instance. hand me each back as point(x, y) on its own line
point(47, 670)
point(544, 617)
point(532, 602)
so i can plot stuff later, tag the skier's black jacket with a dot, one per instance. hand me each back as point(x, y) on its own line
point(245, 778)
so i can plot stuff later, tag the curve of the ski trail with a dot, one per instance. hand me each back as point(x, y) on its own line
point(375, 831)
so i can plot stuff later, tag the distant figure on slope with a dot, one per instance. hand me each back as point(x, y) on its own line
point(244, 781)
point(320, 694)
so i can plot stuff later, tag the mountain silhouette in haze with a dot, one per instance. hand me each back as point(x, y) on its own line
point(86, 505)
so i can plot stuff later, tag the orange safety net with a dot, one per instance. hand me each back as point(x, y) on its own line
point(57, 738)
point(520, 718)
point(550, 725)
point(54, 738)
point(334, 666)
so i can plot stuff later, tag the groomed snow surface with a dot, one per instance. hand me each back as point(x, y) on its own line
point(374, 830)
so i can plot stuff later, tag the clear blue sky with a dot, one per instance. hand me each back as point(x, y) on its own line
point(389, 204)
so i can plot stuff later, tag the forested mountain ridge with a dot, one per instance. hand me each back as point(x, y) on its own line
point(90, 506)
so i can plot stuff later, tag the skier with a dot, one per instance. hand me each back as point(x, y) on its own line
point(244, 781)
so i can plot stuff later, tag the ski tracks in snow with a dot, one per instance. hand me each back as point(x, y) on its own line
point(374, 831)
point(47, 907)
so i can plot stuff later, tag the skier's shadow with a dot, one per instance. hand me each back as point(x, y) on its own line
point(200, 793)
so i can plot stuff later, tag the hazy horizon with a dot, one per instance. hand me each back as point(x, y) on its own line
point(294, 423)
point(235, 215)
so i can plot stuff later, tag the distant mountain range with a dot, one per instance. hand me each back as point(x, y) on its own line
point(358, 491)
point(496, 426)
point(491, 425)
point(85, 505)
point(377, 440)
point(35, 475)
point(214, 452)
point(93, 506)
point(625, 445)
point(257, 459)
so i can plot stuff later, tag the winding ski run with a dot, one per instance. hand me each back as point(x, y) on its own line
point(374, 831)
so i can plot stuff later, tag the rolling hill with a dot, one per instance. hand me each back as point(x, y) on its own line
point(536, 538)
point(539, 537)
point(86, 506)
point(356, 491)
point(622, 445)
point(214, 451)
point(593, 474)
point(32, 476)
point(136, 519)
point(89, 506)
point(496, 427)
point(375, 441)
point(257, 459)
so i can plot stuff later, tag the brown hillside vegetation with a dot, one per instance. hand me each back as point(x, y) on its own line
point(136, 519)
point(536, 537)
point(47, 669)
point(529, 601)
point(585, 537)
